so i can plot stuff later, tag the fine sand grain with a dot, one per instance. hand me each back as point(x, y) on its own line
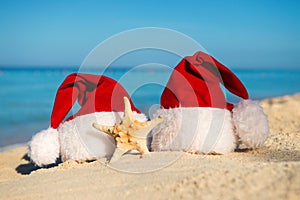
point(271, 172)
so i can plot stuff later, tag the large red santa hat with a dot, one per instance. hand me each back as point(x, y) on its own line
point(100, 98)
point(197, 114)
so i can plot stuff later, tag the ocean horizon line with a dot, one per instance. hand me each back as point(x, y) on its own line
point(77, 68)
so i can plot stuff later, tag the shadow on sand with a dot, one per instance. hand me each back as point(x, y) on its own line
point(26, 169)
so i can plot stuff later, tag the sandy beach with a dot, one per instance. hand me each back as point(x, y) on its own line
point(271, 172)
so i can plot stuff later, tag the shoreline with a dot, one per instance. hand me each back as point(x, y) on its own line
point(12, 147)
point(270, 172)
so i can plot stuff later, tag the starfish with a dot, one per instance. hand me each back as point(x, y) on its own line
point(130, 134)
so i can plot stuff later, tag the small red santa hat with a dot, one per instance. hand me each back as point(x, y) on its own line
point(195, 82)
point(194, 88)
point(93, 93)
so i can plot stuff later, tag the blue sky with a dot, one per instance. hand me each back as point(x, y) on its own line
point(242, 34)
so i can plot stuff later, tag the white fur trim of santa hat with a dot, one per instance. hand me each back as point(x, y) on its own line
point(194, 129)
point(81, 141)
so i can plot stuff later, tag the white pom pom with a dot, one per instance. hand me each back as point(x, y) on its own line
point(251, 123)
point(43, 149)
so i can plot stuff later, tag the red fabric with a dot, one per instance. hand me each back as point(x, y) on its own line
point(93, 93)
point(195, 82)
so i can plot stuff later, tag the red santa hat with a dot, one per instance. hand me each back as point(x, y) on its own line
point(194, 99)
point(94, 94)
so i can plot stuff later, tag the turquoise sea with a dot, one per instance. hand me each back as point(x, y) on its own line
point(27, 94)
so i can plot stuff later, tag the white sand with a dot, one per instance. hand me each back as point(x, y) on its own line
point(272, 172)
